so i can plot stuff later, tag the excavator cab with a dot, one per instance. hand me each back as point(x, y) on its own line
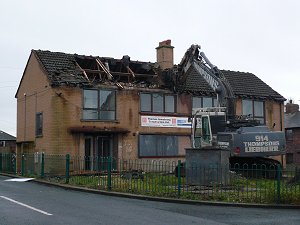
point(206, 123)
point(202, 131)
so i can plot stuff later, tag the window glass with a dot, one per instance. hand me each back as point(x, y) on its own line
point(215, 102)
point(254, 109)
point(169, 103)
point(157, 103)
point(201, 102)
point(157, 100)
point(90, 99)
point(145, 102)
point(289, 158)
point(107, 115)
point(2, 143)
point(258, 109)
point(289, 134)
point(147, 145)
point(107, 100)
point(90, 114)
point(197, 102)
point(207, 102)
point(39, 124)
point(99, 105)
point(158, 145)
point(247, 107)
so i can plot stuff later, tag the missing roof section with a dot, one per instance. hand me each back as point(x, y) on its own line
point(81, 70)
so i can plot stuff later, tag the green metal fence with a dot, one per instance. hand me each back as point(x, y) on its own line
point(230, 183)
point(8, 163)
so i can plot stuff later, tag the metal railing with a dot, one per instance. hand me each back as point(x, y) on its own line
point(230, 183)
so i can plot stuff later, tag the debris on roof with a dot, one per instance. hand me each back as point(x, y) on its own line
point(80, 70)
point(90, 71)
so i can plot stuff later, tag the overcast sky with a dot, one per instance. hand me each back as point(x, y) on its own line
point(257, 36)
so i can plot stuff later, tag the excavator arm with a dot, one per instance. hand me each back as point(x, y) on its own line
point(197, 60)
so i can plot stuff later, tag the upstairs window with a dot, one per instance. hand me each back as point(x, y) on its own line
point(99, 104)
point(289, 134)
point(202, 102)
point(39, 124)
point(254, 110)
point(158, 103)
point(2, 143)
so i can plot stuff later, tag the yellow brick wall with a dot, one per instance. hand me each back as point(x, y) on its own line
point(61, 108)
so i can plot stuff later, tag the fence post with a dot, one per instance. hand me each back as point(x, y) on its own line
point(22, 165)
point(67, 168)
point(14, 162)
point(43, 165)
point(178, 178)
point(278, 183)
point(1, 162)
point(109, 173)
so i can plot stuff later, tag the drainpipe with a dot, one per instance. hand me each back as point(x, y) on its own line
point(25, 115)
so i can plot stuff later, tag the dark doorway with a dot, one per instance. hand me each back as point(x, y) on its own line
point(103, 151)
point(103, 146)
point(97, 150)
point(88, 150)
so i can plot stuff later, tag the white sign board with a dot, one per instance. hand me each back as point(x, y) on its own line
point(165, 121)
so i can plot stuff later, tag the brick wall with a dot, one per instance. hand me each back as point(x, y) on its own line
point(293, 145)
point(62, 110)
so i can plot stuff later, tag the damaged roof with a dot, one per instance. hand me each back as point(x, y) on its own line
point(81, 70)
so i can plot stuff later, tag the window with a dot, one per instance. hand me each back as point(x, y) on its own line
point(39, 124)
point(2, 143)
point(158, 103)
point(99, 104)
point(289, 135)
point(201, 102)
point(159, 145)
point(289, 158)
point(254, 110)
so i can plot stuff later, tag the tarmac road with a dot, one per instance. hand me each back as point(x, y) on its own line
point(30, 203)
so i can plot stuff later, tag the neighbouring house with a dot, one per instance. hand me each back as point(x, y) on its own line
point(292, 133)
point(7, 143)
point(101, 106)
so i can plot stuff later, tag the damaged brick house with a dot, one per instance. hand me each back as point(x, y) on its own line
point(98, 106)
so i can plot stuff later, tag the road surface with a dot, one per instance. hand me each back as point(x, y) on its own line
point(30, 203)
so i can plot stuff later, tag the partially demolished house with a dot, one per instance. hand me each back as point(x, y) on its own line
point(98, 106)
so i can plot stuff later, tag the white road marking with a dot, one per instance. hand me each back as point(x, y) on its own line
point(19, 179)
point(27, 206)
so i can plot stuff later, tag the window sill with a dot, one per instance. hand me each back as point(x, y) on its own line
point(159, 157)
point(110, 121)
point(165, 114)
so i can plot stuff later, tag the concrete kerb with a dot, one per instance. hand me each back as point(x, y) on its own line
point(159, 199)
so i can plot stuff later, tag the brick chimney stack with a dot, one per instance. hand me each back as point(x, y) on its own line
point(164, 54)
point(291, 107)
